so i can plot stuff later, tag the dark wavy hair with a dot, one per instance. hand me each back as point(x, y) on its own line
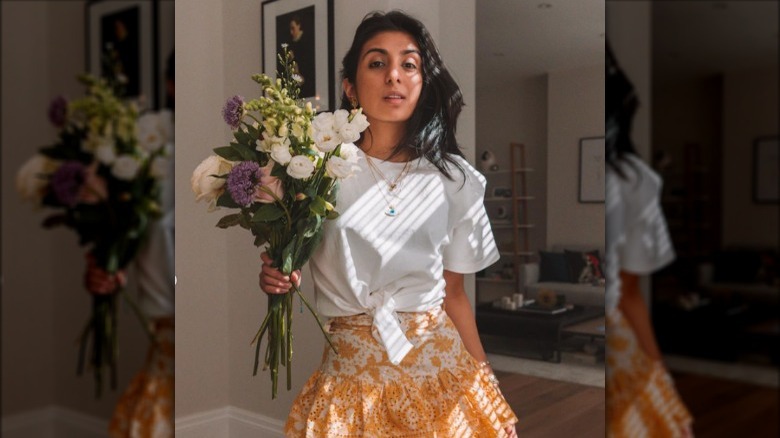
point(430, 131)
point(621, 106)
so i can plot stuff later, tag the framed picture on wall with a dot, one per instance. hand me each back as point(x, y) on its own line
point(306, 26)
point(766, 170)
point(125, 34)
point(592, 168)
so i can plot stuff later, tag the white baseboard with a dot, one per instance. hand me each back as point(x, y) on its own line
point(228, 422)
point(54, 422)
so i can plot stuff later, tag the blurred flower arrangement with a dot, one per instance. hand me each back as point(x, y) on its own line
point(102, 175)
point(281, 173)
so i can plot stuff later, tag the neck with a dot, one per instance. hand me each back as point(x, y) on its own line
point(380, 140)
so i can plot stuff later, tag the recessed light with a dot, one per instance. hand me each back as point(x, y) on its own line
point(544, 6)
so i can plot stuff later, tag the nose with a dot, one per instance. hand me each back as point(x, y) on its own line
point(393, 76)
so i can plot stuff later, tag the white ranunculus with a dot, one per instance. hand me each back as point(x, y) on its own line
point(349, 133)
point(348, 152)
point(340, 168)
point(125, 167)
point(340, 118)
point(31, 177)
point(359, 121)
point(159, 167)
point(151, 132)
point(323, 122)
point(205, 186)
point(281, 153)
point(326, 141)
point(106, 153)
point(300, 167)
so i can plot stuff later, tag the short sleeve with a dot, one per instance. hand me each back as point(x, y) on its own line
point(471, 245)
point(647, 246)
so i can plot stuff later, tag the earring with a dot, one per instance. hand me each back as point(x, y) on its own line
point(353, 101)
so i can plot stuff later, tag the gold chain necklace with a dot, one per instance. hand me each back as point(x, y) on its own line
point(390, 185)
point(391, 211)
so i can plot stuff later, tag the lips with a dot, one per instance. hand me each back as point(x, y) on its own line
point(394, 97)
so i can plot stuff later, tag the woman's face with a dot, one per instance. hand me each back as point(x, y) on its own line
point(389, 78)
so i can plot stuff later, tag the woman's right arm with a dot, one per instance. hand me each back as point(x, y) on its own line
point(272, 281)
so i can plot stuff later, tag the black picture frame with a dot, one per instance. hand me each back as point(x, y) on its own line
point(766, 170)
point(592, 168)
point(314, 46)
point(134, 40)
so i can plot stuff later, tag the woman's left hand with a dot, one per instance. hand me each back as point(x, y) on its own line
point(511, 432)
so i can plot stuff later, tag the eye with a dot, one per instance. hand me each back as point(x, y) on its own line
point(410, 65)
point(375, 64)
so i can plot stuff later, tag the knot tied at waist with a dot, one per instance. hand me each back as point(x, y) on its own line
point(382, 306)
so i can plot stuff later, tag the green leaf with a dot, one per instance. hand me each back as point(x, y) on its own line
point(333, 214)
point(268, 213)
point(244, 221)
point(287, 257)
point(319, 206)
point(228, 153)
point(229, 220)
point(225, 200)
point(244, 137)
point(247, 153)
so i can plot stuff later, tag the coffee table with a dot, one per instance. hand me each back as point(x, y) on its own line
point(531, 334)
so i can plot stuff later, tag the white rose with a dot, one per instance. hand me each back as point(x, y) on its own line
point(204, 185)
point(340, 168)
point(300, 167)
point(281, 153)
point(105, 153)
point(31, 179)
point(125, 167)
point(348, 152)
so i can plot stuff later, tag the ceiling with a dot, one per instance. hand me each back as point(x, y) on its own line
point(694, 38)
point(520, 38)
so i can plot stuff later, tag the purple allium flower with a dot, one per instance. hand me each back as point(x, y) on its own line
point(242, 181)
point(58, 109)
point(233, 110)
point(66, 182)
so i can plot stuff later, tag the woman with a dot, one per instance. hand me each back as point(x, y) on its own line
point(641, 398)
point(389, 271)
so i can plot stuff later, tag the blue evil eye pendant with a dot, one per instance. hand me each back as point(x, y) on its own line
point(391, 211)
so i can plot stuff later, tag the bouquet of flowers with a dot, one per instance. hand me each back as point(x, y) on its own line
point(102, 175)
point(281, 174)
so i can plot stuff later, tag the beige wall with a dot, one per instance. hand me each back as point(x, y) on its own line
point(575, 110)
point(44, 305)
point(750, 111)
point(221, 305)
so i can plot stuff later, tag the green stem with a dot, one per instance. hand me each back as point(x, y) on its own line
point(279, 201)
point(322, 327)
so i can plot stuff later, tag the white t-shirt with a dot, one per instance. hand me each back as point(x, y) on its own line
point(637, 236)
point(155, 261)
point(369, 262)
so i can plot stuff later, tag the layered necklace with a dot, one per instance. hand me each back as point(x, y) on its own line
point(392, 195)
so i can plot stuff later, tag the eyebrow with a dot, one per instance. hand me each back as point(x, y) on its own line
point(384, 52)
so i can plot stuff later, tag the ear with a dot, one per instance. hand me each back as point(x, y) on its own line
point(348, 88)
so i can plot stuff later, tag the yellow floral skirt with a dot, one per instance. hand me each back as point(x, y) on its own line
point(145, 409)
point(438, 390)
point(641, 398)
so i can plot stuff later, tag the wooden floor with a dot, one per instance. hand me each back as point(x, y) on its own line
point(725, 408)
point(553, 409)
